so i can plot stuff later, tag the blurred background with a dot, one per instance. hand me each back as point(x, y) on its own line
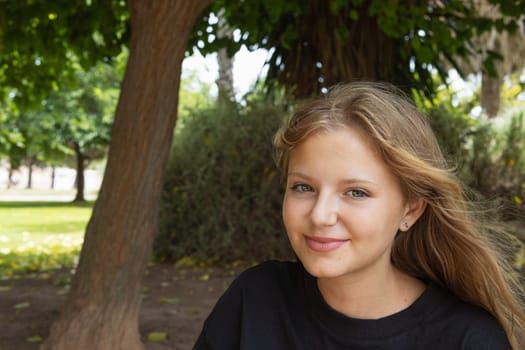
point(244, 66)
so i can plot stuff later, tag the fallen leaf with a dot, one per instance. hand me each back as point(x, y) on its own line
point(185, 261)
point(164, 300)
point(35, 339)
point(5, 288)
point(157, 337)
point(22, 306)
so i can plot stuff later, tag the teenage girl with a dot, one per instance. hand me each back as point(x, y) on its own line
point(390, 255)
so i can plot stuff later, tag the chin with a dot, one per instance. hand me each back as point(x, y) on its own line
point(320, 270)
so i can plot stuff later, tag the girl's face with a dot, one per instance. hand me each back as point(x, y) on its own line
point(342, 207)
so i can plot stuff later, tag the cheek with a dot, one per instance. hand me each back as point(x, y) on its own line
point(370, 221)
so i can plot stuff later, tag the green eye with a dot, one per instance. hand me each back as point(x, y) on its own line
point(302, 188)
point(357, 194)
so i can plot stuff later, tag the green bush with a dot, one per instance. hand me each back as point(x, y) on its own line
point(489, 154)
point(222, 195)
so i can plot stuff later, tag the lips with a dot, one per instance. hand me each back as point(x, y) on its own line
point(324, 244)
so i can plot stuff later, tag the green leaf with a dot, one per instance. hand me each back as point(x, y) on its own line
point(274, 9)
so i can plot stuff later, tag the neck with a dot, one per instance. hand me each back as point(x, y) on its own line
point(371, 296)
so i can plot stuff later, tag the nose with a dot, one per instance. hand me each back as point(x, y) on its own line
point(325, 211)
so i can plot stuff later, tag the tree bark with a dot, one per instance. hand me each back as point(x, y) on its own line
point(225, 79)
point(102, 308)
point(225, 62)
point(10, 177)
point(79, 178)
point(490, 93)
point(30, 173)
point(53, 175)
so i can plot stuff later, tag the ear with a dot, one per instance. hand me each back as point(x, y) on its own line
point(413, 210)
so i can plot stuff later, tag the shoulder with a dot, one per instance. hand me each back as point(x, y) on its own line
point(261, 284)
point(258, 297)
point(267, 280)
point(484, 331)
point(472, 326)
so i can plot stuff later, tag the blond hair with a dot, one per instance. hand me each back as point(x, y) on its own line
point(449, 245)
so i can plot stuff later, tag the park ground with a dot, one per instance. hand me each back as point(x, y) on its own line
point(176, 300)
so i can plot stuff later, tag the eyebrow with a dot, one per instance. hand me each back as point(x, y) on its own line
point(345, 181)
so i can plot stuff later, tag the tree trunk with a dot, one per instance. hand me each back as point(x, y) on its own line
point(225, 79)
point(53, 176)
point(30, 174)
point(79, 178)
point(490, 93)
point(10, 177)
point(102, 308)
point(225, 62)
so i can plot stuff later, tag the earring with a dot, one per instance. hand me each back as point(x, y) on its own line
point(405, 225)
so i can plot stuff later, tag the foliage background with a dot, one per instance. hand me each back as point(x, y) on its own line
point(222, 195)
point(488, 154)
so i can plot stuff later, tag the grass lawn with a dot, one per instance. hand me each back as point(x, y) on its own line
point(36, 236)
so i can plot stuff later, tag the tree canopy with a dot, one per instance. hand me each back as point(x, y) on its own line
point(42, 41)
point(314, 44)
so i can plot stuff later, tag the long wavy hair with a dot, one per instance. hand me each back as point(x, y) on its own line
point(451, 244)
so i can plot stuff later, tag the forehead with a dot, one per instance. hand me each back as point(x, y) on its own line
point(342, 149)
point(341, 141)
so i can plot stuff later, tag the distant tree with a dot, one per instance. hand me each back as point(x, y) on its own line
point(75, 120)
point(194, 94)
point(225, 61)
point(83, 116)
point(41, 44)
point(20, 143)
point(507, 48)
point(38, 37)
point(6, 136)
point(11, 138)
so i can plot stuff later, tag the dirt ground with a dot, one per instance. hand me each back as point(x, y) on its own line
point(175, 300)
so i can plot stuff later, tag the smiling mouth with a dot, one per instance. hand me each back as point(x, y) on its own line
point(324, 244)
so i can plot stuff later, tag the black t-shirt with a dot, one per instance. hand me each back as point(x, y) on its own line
point(277, 305)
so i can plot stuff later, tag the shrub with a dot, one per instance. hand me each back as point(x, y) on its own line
point(222, 195)
point(489, 154)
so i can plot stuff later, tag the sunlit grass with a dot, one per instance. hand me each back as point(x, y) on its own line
point(38, 236)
